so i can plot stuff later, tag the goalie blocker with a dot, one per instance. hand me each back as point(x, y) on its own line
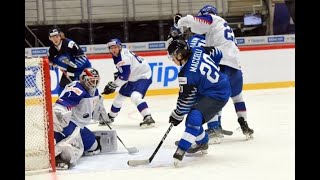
point(107, 139)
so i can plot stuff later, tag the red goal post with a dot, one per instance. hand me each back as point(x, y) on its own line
point(39, 136)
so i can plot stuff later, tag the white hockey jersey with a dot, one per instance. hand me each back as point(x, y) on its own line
point(77, 99)
point(218, 34)
point(130, 67)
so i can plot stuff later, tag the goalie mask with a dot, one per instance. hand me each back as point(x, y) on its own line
point(90, 79)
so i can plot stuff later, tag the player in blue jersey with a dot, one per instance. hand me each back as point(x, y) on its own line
point(198, 40)
point(204, 91)
point(134, 78)
point(68, 56)
point(72, 113)
point(219, 34)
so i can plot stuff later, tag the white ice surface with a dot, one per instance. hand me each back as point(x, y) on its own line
point(269, 156)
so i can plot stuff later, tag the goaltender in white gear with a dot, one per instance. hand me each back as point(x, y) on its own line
point(72, 113)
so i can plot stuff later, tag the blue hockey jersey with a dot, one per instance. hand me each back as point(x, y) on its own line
point(68, 50)
point(200, 77)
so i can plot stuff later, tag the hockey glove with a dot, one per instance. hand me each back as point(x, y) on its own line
point(215, 53)
point(110, 88)
point(176, 18)
point(61, 117)
point(175, 118)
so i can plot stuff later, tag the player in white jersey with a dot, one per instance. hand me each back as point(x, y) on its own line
point(218, 34)
point(72, 113)
point(133, 78)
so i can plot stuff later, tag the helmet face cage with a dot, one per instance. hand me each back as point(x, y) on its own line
point(90, 78)
point(114, 42)
point(208, 9)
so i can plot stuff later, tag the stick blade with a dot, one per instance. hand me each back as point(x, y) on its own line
point(132, 150)
point(135, 163)
point(226, 132)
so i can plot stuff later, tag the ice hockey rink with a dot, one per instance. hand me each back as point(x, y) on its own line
point(269, 156)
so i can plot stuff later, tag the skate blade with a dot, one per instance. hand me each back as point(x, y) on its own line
point(62, 166)
point(198, 153)
point(144, 126)
point(204, 152)
point(248, 136)
point(215, 140)
point(176, 163)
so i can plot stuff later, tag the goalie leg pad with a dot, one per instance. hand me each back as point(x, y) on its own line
point(71, 148)
point(108, 140)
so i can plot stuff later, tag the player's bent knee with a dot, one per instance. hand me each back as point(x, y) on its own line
point(136, 97)
point(194, 118)
point(237, 98)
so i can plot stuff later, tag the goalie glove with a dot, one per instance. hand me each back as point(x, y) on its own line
point(176, 118)
point(61, 117)
point(109, 88)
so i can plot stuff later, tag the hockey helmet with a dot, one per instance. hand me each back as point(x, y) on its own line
point(114, 42)
point(208, 9)
point(54, 32)
point(178, 46)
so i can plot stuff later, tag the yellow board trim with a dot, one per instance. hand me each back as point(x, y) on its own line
point(253, 86)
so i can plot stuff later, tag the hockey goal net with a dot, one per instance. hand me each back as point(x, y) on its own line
point(39, 139)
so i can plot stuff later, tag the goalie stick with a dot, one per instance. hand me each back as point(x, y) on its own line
point(148, 161)
point(66, 75)
point(131, 150)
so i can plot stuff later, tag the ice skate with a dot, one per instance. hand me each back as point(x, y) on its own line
point(215, 135)
point(147, 122)
point(62, 164)
point(203, 148)
point(94, 152)
point(104, 122)
point(245, 128)
point(178, 156)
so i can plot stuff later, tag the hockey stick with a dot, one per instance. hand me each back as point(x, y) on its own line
point(148, 161)
point(131, 150)
point(66, 75)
